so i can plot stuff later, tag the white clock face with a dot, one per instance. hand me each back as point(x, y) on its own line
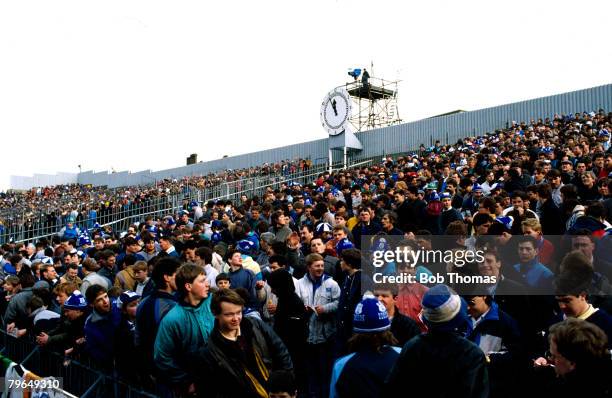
point(335, 111)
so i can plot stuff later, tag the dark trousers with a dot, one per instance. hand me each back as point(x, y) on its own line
point(320, 361)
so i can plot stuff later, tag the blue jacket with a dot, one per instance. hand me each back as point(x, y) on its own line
point(71, 233)
point(183, 332)
point(535, 275)
point(362, 374)
point(100, 333)
point(245, 279)
point(149, 315)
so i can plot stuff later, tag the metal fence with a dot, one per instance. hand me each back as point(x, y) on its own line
point(81, 379)
point(121, 216)
point(20, 225)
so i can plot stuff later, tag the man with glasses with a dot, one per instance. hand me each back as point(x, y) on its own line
point(580, 360)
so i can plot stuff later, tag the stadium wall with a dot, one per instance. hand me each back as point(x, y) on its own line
point(389, 140)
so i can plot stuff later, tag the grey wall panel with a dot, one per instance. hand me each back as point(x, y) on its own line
point(41, 180)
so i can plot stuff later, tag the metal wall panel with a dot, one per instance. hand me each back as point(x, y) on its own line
point(390, 140)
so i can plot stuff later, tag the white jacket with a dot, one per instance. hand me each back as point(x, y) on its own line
point(321, 328)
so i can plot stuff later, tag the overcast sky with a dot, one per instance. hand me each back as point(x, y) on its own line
point(134, 85)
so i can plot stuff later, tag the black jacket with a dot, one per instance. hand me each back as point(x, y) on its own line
point(224, 361)
point(66, 334)
point(410, 213)
point(515, 184)
point(403, 328)
point(550, 219)
point(447, 217)
point(290, 318)
point(439, 364)
point(593, 382)
point(361, 229)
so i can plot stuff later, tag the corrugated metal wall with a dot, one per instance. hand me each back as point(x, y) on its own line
point(41, 180)
point(389, 140)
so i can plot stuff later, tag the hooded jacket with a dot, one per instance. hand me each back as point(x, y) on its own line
point(182, 333)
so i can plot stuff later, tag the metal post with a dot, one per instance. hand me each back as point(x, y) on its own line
point(330, 161)
point(345, 157)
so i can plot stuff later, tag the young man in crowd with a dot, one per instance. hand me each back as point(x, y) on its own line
point(441, 351)
point(372, 349)
point(320, 295)
point(152, 311)
point(403, 328)
point(70, 332)
point(241, 352)
point(101, 326)
point(184, 330)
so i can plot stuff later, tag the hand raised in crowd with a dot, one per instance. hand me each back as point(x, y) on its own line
point(42, 339)
point(540, 362)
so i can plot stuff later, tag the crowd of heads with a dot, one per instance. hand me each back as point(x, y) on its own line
point(298, 260)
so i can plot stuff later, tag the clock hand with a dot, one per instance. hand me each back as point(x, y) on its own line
point(333, 104)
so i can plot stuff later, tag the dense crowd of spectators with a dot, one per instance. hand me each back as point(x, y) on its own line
point(54, 205)
point(273, 296)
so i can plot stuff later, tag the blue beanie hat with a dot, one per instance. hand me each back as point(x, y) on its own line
point(343, 244)
point(127, 297)
point(245, 246)
point(370, 316)
point(380, 244)
point(76, 301)
point(84, 240)
point(443, 309)
point(216, 237)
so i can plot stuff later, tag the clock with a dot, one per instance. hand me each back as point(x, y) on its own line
point(335, 111)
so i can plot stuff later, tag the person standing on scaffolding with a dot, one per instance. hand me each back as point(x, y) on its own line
point(364, 78)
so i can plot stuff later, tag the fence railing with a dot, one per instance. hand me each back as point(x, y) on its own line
point(79, 378)
point(14, 221)
point(121, 216)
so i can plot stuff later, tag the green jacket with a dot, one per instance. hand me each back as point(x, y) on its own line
point(182, 333)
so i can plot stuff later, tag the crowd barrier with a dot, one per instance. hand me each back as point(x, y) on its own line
point(80, 378)
point(21, 229)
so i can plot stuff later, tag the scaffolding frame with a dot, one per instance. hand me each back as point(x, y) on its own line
point(375, 103)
